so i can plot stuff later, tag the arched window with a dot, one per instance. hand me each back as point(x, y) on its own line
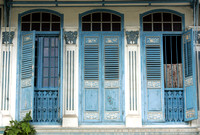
point(162, 21)
point(40, 21)
point(101, 21)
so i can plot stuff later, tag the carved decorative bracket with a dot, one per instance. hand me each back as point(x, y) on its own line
point(132, 37)
point(70, 37)
point(7, 37)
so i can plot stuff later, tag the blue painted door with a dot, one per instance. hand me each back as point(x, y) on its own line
point(189, 76)
point(101, 93)
point(27, 73)
point(153, 72)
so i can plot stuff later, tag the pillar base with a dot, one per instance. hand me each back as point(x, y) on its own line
point(133, 121)
point(70, 121)
point(5, 119)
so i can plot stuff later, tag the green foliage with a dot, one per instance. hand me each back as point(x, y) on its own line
point(20, 127)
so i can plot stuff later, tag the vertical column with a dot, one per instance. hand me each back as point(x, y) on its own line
point(6, 76)
point(70, 80)
point(132, 86)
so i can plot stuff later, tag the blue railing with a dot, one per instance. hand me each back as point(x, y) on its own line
point(174, 109)
point(46, 108)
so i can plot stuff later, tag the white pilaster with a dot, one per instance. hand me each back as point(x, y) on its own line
point(7, 93)
point(132, 82)
point(70, 81)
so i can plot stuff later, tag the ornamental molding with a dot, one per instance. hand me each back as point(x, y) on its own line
point(8, 35)
point(70, 37)
point(132, 37)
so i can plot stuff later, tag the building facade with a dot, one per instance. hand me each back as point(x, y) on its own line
point(101, 66)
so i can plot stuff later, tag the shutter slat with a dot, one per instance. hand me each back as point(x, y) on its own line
point(111, 62)
point(153, 62)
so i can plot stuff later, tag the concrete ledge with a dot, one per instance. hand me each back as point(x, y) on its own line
point(116, 131)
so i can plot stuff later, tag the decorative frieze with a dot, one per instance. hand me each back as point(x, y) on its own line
point(155, 116)
point(91, 84)
point(111, 84)
point(152, 40)
point(7, 37)
point(91, 116)
point(190, 113)
point(132, 37)
point(112, 116)
point(153, 84)
point(188, 81)
point(70, 37)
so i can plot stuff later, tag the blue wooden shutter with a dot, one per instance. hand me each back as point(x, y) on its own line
point(27, 73)
point(189, 76)
point(154, 103)
point(91, 90)
point(113, 97)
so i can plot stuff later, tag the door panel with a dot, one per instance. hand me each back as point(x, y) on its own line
point(102, 95)
point(154, 99)
point(91, 111)
point(189, 77)
point(27, 73)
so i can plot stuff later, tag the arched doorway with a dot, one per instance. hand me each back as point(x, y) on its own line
point(40, 66)
point(101, 67)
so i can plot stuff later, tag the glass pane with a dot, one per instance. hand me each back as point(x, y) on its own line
point(57, 41)
point(46, 42)
point(86, 27)
point(46, 17)
point(147, 18)
point(56, 71)
point(116, 18)
point(96, 27)
point(26, 18)
point(177, 27)
point(157, 27)
point(45, 26)
point(46, 51)
point(167, 17)
point(106, 26)
point(116, 27)
point(52, 62)
point(45, 82)
point(147, 27)
point(36, 26)
point(55, 26)
point(36, 17)
point(46, 62)
point(56, 82)
point(52, 82)
point(96, 17)
point(52, 42)
point(55, 18)
point(56, 51)
point(45, 72)
point(52, 72)
point(157, 17)
point(167, 26)
point(52, 51)
point(25, 26)
point(86, 18)
point(56, 62)
point(106, 17)
point(176, 18)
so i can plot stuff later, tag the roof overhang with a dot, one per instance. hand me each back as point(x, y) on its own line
point(98, 3)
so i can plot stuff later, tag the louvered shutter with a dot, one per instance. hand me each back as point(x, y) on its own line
point(189, 77)
point(27, 73)
point(91, 92)
point(112, 91)
point(154, 94)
